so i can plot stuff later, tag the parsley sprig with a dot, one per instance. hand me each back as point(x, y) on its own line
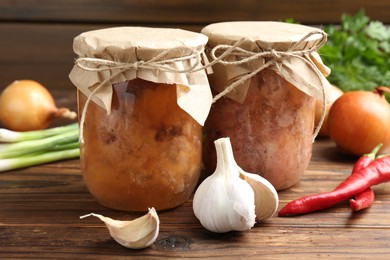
point(358, 53)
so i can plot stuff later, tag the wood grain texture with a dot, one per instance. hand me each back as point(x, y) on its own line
point(40, 209)
point(40, 206)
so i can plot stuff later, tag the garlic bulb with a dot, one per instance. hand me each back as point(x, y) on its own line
point(230, 199)
point(136, 234)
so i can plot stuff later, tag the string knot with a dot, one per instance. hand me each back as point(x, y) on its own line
point(166, 61)
point(158, 62)
point(234, 55)
point(222, 54)
point(276, 55)
point(135, 65)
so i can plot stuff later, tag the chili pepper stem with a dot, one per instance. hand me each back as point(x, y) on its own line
point(374, 151)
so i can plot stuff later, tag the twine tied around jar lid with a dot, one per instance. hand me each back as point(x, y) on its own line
point(221, 53)
point(156, 63)
point(273, 55)
point(159, 55)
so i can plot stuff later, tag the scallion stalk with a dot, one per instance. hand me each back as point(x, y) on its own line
point(17, 149)
point(37, 159)
point(25, 149)
point(9, 136)
point(66, 146)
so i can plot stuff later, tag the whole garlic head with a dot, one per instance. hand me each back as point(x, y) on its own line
point(230, 198)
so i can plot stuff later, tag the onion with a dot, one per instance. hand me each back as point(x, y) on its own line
point(360, 120)
point(26, 105)
point(335, 93)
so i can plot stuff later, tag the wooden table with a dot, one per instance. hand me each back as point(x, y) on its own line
point(40, 206)
point(40, 209)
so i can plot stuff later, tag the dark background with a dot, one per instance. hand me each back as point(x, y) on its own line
point(36, 35)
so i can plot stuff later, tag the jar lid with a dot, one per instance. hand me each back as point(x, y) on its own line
point(262, 35)
point(250, 46)
point(160, 55)
point(137, 43)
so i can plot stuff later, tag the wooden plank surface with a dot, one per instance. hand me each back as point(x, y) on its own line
point(40, 209)
point(40, 206)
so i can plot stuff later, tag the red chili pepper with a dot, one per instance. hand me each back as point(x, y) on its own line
point(362, 200)
point(378, 171)
point(366, 198)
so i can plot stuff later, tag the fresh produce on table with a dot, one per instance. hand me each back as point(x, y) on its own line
point(231, 199)
point(26, 105)
point(359, 120)
point(134, 234)
point(24, 149)
point(362, 200)
point(365, 198)
point(366, 173)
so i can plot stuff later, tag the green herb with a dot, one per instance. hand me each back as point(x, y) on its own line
point(36, 159)
point(9, 136)
point(23, 149)
point(358, 53)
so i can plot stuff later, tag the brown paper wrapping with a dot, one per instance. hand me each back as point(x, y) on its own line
point(267, 36)
point(130, 45)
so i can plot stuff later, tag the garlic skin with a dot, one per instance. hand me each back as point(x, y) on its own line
point(231, 199)
point(266, 196)
point(224, 202)
point(136, 234)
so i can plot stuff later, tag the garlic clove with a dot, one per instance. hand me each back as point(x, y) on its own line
point(136, 234)
point(266, 196)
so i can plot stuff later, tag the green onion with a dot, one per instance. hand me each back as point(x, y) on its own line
point(25, 149)
point(10, 136)
point(27, 161)
point(21, 148)
point(66, 146)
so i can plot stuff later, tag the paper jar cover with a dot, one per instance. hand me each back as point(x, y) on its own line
point(153, 54)
point(266, 36)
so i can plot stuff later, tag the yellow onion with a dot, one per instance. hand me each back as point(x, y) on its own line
point(360, 120)
point(26, 105)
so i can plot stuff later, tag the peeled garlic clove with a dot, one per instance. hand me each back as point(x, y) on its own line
point(136, 234)
point(266, 196)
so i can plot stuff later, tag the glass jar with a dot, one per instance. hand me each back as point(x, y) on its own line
point(146, 152)
point(269, 118)
point(142, 142)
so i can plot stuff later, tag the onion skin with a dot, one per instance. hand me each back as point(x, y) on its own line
point(360, 120)
point(335, 93)
point(26, 105)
